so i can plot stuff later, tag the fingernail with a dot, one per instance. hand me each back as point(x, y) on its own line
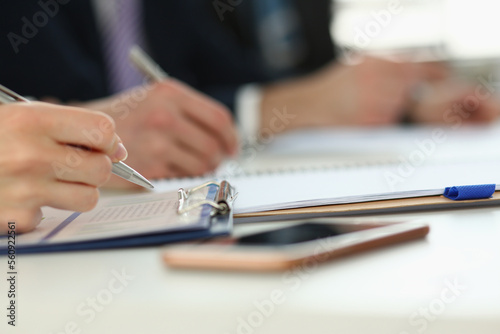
point(120, 153)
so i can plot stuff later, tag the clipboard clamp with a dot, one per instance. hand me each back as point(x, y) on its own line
point(221, 204)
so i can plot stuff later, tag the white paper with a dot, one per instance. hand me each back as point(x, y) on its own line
point(358, 165)
point(115, 216)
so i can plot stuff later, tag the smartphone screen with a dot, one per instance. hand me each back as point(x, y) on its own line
point(294, 234)
point(289, 246)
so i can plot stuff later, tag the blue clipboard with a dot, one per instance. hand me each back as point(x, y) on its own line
point(213, 218)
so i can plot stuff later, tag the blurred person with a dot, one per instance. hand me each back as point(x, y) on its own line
point(38, 167)
point(260, 57)
point(54, 51)
point(271, 62)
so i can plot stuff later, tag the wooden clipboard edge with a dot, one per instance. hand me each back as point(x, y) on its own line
point(385, 206)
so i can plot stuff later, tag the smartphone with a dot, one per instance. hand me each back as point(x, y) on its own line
point(286, 247)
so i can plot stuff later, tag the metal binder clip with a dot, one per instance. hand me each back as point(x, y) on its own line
point(221, 203)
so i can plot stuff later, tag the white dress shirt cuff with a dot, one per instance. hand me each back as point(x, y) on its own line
point(248, 99)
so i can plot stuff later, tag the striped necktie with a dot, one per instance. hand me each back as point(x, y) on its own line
point(121, 25)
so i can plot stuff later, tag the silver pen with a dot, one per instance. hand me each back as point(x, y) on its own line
point(119, 168)
point(146, 65)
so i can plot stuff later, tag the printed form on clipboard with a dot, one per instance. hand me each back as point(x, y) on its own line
point(134, 220)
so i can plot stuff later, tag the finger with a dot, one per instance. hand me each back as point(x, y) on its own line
point(197, 140)
point(25, 219)
point(71, 196)
point(219, 123)
point(75, 126)
point(487, 111)
point(211, 115)
point(186, 161)
point(161, 153)
point(79, 166)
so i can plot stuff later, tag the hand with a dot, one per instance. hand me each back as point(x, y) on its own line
point(39, 168)
point(170, 130)
point(454, 103)
point(373, 92)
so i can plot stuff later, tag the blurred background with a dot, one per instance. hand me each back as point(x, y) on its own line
point(461, 31)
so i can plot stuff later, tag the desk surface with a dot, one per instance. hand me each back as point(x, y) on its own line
point(446, 283)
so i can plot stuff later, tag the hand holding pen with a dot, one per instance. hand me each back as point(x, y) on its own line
point(119, 168)
point(182, 131)
point(54, 156)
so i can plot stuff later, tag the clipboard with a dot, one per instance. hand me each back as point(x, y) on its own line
point(401, 205)
point(134, 220)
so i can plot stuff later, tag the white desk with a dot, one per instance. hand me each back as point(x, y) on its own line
point(401, 289)
point(379, 292)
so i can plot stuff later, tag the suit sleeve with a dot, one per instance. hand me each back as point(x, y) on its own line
point(190, 42)
point(213, 48)
point(51, 50)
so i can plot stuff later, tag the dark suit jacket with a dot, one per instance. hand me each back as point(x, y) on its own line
point(61, 58)
point(187, 38)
